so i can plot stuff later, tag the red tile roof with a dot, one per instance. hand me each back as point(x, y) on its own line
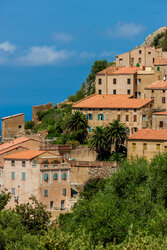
point(160, 113)
point(111, 101)
point(11, 148)
point(126, 71)
point(109, 70)
point(24, 155)
point(13, 142)
point(160, 61)
point(150, 134)
point(158, 85)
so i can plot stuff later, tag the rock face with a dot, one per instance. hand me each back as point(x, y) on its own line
point(150, 38)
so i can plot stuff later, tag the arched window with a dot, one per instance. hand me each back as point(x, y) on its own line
point(55, 176)
point(45, 177)
point(64, 176)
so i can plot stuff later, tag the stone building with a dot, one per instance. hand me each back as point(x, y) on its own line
point(147, 143)
point(103, 109)
point(157, 92)
point(145, 56)
point(36, 109)
point(159, 120)
point(37, 173)
point(160, 68)
point(12, 127)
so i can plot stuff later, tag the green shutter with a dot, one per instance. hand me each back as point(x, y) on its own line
point(23, 176)
point(64, 191)
point(13, 175)
point(45, 177)
point(64, 176)
point(87, 116)
point(91, 117)
point(98, 117)
point(55, 176)
point(158, 68)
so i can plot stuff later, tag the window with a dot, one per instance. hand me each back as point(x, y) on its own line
point(127, 118)
point(165, 149)
point(89, 129)
point(135, 118)
point(161, 124)
point(144, 117)
point(138, 94)
point(153, 60)
point(19, 126)
point(128, 81)
point(134, 146)
point(100, 117)
point(144, 146)
point(114, 81)
point(34, 161)
point(163, 99)
point(62, 204)
point(118, 117)
point(128, 91)
point(55, 176)
point(135, 129)
point(100, 80)
point(45, 177)
point(13, 191)
point(120, 60)
point(134, 110)
point(45, 193)
point(158, 68)
point(64, 191)
point(51, 204)
point(139, 81)
point(149, 52)
point(99, 91)
point(139, 59)
point(13, 175)
point(163, 90)
point(12, 163)
point(128, 130)
point(23, 176)
point(158, 147)
point(140, 51)
point(64, 176)
point(114, 91)
point(152, 91)
point(23, 163)
point(90, 117)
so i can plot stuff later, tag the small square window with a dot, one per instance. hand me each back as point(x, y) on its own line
point(139, 81)
point(134, 110)
point(45, 193)
point(128, 81)
point(138, 94)
point(149, 52)
point(23, 163)
point(118, 117)
point(19, 126)
point(134, 146)
point(128, 91)
point(135, 129)
point(114, 91)
point(12, 163)
point(163, 100)
point(99, 91)
point(100, 80)
point(144, 117)
point(152, 91)
point(158, 147)
point(140, 51)
point(64, 191)
point(127, 118)
point(13, 191)
point(144, 146)
point(163, 90)
point(135, 118)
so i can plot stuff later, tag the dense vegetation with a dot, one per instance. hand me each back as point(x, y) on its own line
point(125, 211)
point(160, 41)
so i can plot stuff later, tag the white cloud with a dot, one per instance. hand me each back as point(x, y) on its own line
point(87, 55)
point(62, 37)
point(124, 30)
point(45, 55)
point(7, 47)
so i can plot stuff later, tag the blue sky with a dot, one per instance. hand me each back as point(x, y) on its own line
point(47, 46)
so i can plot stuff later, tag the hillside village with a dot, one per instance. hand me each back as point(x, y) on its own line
point(132, 92)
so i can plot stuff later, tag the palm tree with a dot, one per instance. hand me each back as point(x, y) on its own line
point(98, 141)
point(77, 121)
point(117, 134)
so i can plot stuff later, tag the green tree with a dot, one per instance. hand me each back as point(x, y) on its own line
point(117, 134)
point(77, 121)
point(98, 140)
point(4, 198)
point(29, 124)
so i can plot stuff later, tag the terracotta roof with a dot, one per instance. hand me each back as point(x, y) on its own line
point(158, 85)
point(160, 113)
point(111, 101)
point(13, 142)
point(160, 61)
point(24, 155)
point(150, 134)
point(126, 70)
point(109, 70)
point(11, 148)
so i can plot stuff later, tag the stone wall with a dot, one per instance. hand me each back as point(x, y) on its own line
point(12, 127)
point(83, 153)
point(36, 109)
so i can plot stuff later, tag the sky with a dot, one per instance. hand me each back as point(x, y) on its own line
point(47, 47)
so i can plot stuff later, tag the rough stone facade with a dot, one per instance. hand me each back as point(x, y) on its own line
point(83, 153)
point(144, 78)
point(12, 127)
point(36, 109)
point(157, 95)
point(159, 121)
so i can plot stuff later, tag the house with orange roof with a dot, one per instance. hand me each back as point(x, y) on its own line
point(160, 68)
point(37, 173)
point(159, 120)
point(158, 92)
point(147, 143)
point(103, 109)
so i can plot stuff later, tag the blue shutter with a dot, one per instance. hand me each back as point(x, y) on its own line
point(13, 190)
point(13, 175)
point(87, 116)
point(89, 129)
point(91, 117)
point(45, 193)
point(98, 116)
point(64, 176)
point(45, 177)
point(23, 176)
point(55, 176)
point(64, 191)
